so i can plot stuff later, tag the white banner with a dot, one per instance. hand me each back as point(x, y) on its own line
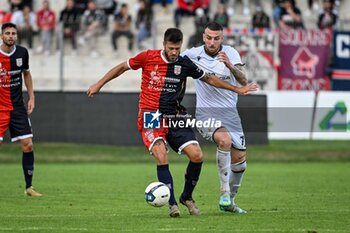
point(332, 119)
point(290, 114)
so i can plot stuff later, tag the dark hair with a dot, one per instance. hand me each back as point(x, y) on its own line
point(8, 25)
point(214, 26)
point(173, 35)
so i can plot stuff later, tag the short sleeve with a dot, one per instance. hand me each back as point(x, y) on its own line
point(185, 53)
point(195, 71)
point(138, 61)
point(234, 56)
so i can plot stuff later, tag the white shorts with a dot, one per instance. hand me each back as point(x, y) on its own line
point(230, 120)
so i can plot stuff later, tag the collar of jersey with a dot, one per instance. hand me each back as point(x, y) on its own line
point(205, 52)
point(164, 58)
point(9, 54)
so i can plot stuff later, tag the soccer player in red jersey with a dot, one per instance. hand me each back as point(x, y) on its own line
point(14, 63)
point(164, 74)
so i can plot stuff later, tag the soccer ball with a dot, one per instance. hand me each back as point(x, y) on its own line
point(157, 194)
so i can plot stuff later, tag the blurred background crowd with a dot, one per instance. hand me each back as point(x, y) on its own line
point(116, 29)
point(82, 22)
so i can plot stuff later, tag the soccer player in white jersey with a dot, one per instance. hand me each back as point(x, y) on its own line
point(225, 62)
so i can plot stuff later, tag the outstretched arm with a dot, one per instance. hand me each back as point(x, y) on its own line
point(111, 74)
point(217, 82)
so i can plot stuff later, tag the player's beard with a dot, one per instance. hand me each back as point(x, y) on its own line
point(167, 56)
point(9, 43)
point(211, 50)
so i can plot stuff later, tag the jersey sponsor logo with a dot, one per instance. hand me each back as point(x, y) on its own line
point(177, 69)
point(14, 72)
point(161, 83)
point(172, 80)
point(19, 62)
point(151, 120)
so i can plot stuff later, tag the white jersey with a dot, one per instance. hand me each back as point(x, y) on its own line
point(217, 103)
point(207, 95)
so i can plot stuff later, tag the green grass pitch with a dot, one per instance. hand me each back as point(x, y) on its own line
point(101, 189)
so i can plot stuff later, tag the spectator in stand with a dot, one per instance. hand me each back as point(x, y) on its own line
point(231, 5)
point(70, 18)
point(25, 20)
point(328, 18)
point(314, 7)
point(260, 18)
point(122, 27)
point(290, 16)
point(5, 13)
point(143, 22)
point(81, 5)
point(221, 17)
point(15, 5)
point(6, 10)
point(19, 4)
point(164, 4)
point(5, 17)
point(92, 23)
point(188, 8)
point(109, 7)
point(46, 21)
point(276, 11)
point(199, 23)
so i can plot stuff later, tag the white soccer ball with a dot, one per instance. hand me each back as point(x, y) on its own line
point(157, 194)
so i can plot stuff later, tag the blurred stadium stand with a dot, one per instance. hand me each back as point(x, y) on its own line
point(80, 70)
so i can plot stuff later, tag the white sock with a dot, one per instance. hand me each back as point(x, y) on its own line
point(223, 160)
point(237, 170)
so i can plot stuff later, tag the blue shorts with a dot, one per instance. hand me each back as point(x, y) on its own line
point(179, 138)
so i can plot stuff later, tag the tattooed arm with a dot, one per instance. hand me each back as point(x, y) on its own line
point(237, 70)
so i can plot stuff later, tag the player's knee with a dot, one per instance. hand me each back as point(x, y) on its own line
point(224, 143)
point(197, 155)
point(27, 145)
point(223, 139)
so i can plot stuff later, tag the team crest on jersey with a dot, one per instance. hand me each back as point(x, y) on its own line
point(177, 70)
point(149, 134)
point(19, 62)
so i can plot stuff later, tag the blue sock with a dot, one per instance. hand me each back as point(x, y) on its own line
point(165, 177)
point(191, 178)
point(28, 167)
